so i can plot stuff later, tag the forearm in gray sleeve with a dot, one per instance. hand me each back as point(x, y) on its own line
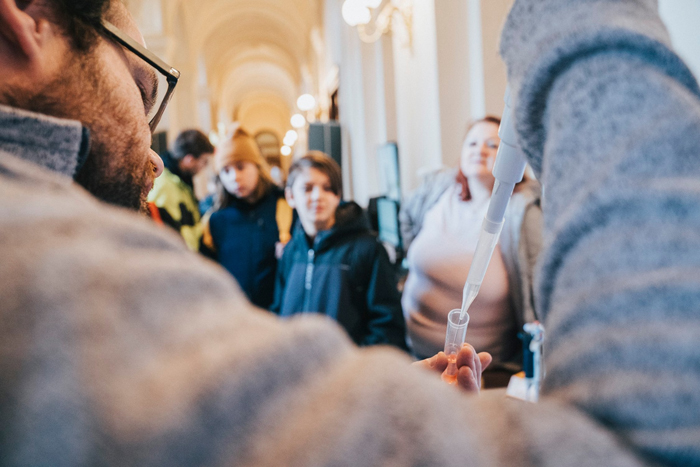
point(610, 119)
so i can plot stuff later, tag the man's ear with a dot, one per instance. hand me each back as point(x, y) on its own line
point(289, 197)
point(21, 34)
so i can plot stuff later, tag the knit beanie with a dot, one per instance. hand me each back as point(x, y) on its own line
point(238, 147)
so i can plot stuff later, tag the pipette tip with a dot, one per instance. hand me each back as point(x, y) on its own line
point(470, 293)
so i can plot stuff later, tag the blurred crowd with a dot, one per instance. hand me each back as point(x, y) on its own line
point(298, 247)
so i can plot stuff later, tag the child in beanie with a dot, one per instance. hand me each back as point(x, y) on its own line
point(250, 218)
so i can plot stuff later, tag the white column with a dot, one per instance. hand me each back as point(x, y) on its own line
point(417, 97)
point(352, 114)
point(493, 16)
point(367, 111)
point(476, 61)
point(388, 90)
point(454, 70)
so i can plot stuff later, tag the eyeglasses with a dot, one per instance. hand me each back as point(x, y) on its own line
point(167, 73)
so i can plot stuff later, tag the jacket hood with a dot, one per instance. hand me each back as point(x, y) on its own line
point(349, 216)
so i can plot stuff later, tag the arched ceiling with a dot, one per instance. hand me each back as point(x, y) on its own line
point(264, 111)
point(256, 53)
point(252, 48)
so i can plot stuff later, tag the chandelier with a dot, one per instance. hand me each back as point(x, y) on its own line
point(373, 18)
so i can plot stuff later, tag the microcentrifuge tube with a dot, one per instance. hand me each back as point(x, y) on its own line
point(456, 334)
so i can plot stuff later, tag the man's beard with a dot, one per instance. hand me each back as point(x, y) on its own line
point(112, 172)
point(119, 187)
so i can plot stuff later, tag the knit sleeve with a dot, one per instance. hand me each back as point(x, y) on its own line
point(610, 118)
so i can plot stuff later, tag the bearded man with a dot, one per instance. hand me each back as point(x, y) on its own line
point(118, 346)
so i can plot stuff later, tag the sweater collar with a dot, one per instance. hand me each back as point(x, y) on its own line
point(56, 144)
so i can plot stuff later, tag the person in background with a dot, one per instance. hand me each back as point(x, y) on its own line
point(439, 258)
point(333, 264)
point(173, 193)
point(250, 221)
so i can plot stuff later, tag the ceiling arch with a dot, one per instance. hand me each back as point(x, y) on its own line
point(294, 18)
point(245, 53)
point(257, 77)
point(253, 52)
point(264, 111)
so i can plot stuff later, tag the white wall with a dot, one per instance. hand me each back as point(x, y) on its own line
point(682, 18)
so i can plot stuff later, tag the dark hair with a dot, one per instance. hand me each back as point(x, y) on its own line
point(191, 142)
point(321, 162)
point(81, 20)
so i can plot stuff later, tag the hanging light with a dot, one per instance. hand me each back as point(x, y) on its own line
point(298, 121)
point(290, 138)
point(372, 3)
point(374, 20)
point(306, 102)
point(356, 12)
point(286, 150)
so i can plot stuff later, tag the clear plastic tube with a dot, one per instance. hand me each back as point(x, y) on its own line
point(507, 171)
point(456, 333)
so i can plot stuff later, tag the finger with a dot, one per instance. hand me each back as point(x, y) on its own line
point(437, 362)
point(466, 356)
point(466, 380)
point(477, 364)
point(485, 358)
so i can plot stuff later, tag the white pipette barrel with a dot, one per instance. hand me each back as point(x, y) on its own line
point(508, 170)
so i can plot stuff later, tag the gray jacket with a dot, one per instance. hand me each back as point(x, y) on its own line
point(419, 201)
point(609, 118)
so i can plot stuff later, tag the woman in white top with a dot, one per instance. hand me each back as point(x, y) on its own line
point(440, 256)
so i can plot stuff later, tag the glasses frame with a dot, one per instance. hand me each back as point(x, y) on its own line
point(171, 74)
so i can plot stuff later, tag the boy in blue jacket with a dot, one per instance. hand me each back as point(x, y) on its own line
point(334, 265)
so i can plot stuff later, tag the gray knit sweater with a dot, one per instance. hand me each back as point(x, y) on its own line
point(609, 117)
point(118, 347)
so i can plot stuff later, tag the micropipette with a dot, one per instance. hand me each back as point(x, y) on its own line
point(507, 170)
